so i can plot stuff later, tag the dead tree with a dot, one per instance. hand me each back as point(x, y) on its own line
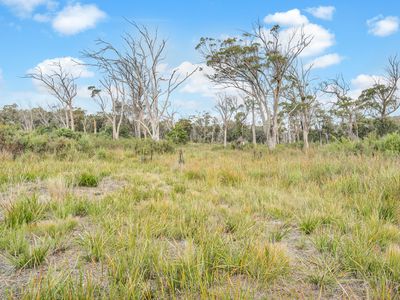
point(61, 84)
point(226, 107)
point(139, 68)
point(344, 106)
point(303, 97)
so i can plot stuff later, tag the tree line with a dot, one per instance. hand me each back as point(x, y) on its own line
point(273, 97)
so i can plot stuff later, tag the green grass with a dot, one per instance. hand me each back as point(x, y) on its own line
point(88, 180)
point(23, 211)
point(287, 225)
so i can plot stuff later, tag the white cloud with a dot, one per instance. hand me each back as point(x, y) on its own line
point(293, 20)
point(362, 82)
point(74, 66)
point(76, 18)
point(322, 39)
point(325, 61)
point(24, 8)
point(289, 18)
point(198, 83)
point(383, 26)
point(322, 12)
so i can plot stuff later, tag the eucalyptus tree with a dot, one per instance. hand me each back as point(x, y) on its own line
point(383, 98)
point(61, 84)
point(251, 107)
point(257, 64)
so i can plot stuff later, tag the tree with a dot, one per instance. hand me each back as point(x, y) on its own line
point(382, 99)
point(279, 56)
point(111, 101)
point(61, 84)
point(138, 70)
point(237, 63)
point(181, 132)
point(250, 105)
point(226, 106)
point(303, 98)
point(257, 64)
point(344, 106)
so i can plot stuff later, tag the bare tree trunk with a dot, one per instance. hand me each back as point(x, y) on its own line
point(94, 126)
point(71, 115)
point(225, 134)
point(66, 118)
point(306, 145)
point(253, 125)
point(305, 132)
point(274, 132)
point(289, 131)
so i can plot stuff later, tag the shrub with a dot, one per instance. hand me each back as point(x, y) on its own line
point(178, 135)
point(390, 143)
point(68, 133)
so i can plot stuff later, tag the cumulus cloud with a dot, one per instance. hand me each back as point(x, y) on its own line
point(289, 18)
point(24, 8)
point(325, 61)
point(293, 21)
point(383, 26)
point(72, 65)
point(76, 18)
point(362, 82)
point(198, 83)
point(322, 12)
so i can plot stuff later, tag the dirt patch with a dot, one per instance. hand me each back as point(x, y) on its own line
point(54, 188)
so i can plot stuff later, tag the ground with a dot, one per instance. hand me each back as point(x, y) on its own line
point(225, 224)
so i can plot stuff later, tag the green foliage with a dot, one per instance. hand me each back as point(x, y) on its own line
point(389, 143)
point(179, 134)
point(88, 180)
point(68, 133)
point(23, 211)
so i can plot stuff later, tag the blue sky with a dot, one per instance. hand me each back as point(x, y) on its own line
point(352, 37)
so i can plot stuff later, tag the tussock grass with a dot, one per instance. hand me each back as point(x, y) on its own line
point(23, 211)
point(224, 225)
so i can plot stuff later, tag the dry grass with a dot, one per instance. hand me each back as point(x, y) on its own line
point(224, 225)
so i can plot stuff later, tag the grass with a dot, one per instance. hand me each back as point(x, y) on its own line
point(224, 226)
point(88, 180)
point(23, 211)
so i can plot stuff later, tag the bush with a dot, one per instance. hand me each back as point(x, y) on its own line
point(390, 143)
point(68, 133)
point(178, 135)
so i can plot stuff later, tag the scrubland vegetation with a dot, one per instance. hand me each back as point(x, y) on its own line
point(112, 221)
point(130, 203)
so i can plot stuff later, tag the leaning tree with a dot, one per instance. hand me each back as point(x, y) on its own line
point(256, 64)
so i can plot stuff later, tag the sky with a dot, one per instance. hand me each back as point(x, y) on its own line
point(353, 38)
